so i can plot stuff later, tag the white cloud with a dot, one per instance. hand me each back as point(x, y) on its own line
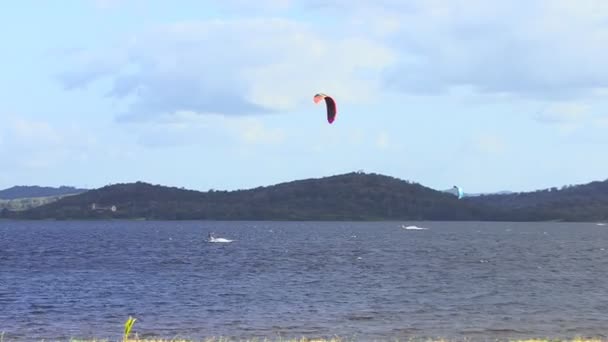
point(586, 119)
point(186, 128)
point(246, 6)
point(251, 64)
point(535, 49)
point(30, 133)
point(603, 121)
point(86, 66)
point(254, 132)
point(383, 141)
point(182, 128)
point(318, 65)
point(489, 144)
point(33, 143)
point(108, 4)
point(236, 67)
point(568, 112)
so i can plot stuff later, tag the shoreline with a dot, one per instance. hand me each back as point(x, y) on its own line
point(4, 338)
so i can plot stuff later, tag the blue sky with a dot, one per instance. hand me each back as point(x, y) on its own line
point(218, 94)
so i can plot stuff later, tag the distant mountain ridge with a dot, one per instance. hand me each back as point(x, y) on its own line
point(23, 191)
point(584, 202)
point(353, 196)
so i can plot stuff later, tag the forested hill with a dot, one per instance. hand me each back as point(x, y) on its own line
point(353, 196)
point(585, 202)
point(23, 191)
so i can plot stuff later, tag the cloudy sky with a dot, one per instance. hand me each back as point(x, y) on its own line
point(489, 95)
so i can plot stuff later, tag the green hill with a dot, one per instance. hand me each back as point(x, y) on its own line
point(585, 202)
point(352, 196)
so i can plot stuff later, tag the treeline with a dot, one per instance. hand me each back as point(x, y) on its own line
point(586, 202)
point(352, 196)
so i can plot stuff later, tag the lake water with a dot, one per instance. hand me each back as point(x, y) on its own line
point(362, 281)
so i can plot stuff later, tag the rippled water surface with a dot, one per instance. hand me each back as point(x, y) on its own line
point(363, 281)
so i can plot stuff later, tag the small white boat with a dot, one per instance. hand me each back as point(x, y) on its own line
point(412, 227)
point(216, 239)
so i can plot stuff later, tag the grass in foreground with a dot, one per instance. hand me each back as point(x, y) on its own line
point(131, 321)
point(303, 339)
point(336, 339)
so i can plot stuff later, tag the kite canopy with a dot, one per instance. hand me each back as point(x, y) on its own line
point(456, 191)
point(330, 104)
point(459, 191)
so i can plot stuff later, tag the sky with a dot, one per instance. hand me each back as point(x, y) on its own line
point(487, 95)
